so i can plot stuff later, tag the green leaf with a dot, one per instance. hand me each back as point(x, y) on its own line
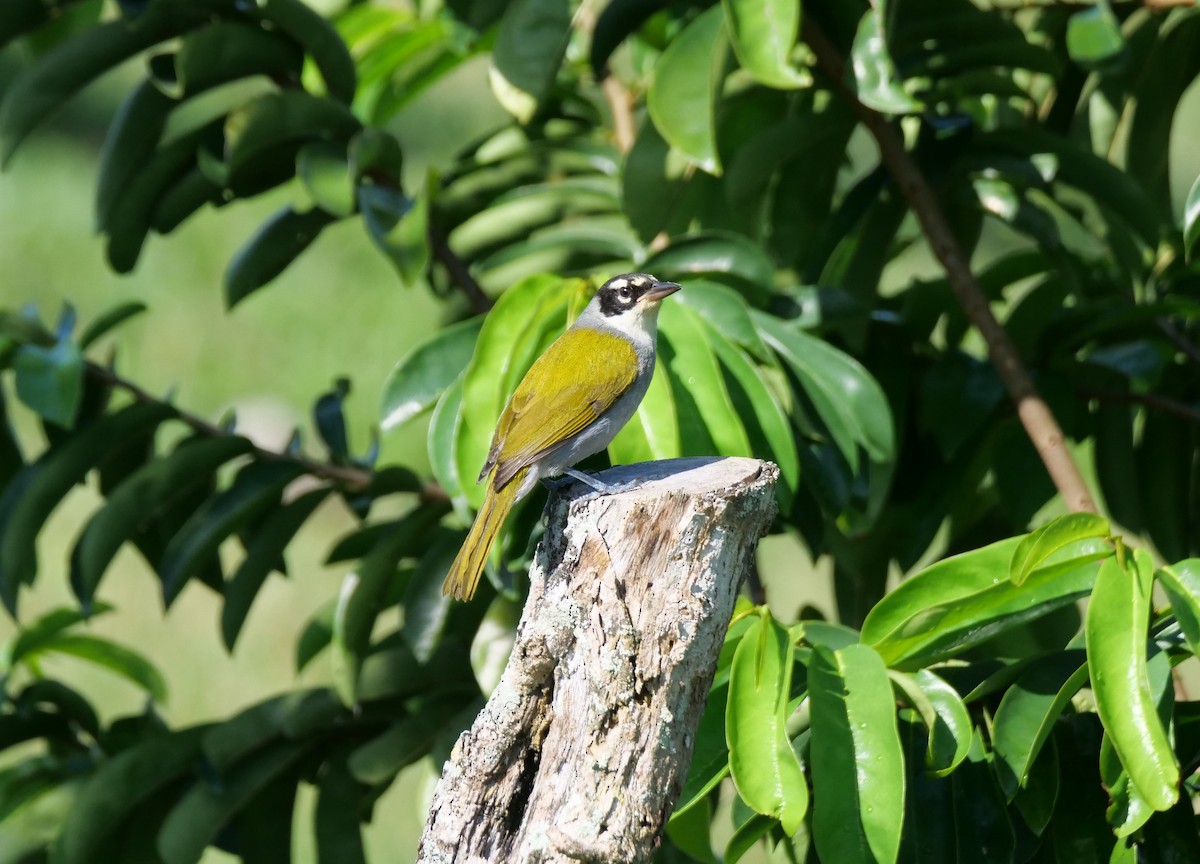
point(1191, 221)
point(324, 169)
point(701, 399)
point(765, 768)
point(983, 831)
point(690, 833)
point(530, 45)
point(136, 502)
point(319, 40)
point(110, 320)
point(36, 491)
point(116, 658)
point(1118, 619)
point(849, 401)
point(426, 608)
point(406, 741)
point(1027, 714)
point(130, 142)
point(205, 809)
point(1094, 35)
point(50, 380)
point(444, 427)
point(426, 372)
point(121, 787)
point(263, 553)
point(945, 717)
point(256, 488)
point(398, 225)
point(363, 592)
point(33, 638)
point(31, 827)
point(763, 35)
point(275, 245)
point(720, 256)
point(687, 84)
point(1043, 542)
point(876, 82)
point(771, 435)
point(1181, 582)
point(58, 75)
point(339, 813)
point(710, 754)
point(725, 311)
point(857, 760)
point(746, 837)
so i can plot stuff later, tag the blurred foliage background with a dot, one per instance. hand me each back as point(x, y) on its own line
point(342, 310)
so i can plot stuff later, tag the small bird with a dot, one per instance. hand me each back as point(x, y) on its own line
point(570, 404)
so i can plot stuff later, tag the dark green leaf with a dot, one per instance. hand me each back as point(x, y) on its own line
point(319, 40)
point(263, 553)
point(256, 488)
point(34, 493)
point(116, 658)
point(399, 226)
point(339, 812)
point(426, 608)
point(34, 637)
point(763, 35)
point(132, 137)
point(135, 502)
point(406, 741)
point(722, 257)
point(983, 832)
point(710, 754)
point(324, 170)
point(274, 246)
point(423, 375)
point(110, 320)
point(1181, 582)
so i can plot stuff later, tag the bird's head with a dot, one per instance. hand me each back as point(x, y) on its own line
point(628, 298)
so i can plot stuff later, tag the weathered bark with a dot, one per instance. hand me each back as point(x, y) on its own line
point(582, 750)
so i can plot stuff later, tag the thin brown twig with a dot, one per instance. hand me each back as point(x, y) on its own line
point(1039, 422)
point(460, 274)
point(1150, 400)
point(620, 103)
point(351, 478)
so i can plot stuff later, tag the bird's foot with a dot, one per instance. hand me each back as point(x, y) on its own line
point(598, 485)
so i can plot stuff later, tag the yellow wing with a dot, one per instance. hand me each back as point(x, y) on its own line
point(573, 383)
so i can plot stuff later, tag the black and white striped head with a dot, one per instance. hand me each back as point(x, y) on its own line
point(632, 291)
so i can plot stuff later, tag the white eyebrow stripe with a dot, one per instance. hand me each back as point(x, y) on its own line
point(619, 283)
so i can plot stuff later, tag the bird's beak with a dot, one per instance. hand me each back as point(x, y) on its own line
point(660, 291)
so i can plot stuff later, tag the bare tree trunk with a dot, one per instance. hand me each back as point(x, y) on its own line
point(581, 752)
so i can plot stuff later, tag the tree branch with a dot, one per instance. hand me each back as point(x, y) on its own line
point(621, 105)
point(583, 748)
point(1040, 425)
point(351, 478)
point(460, 274)
point(1150, 400)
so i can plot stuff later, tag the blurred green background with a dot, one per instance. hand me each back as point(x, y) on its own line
point(267, 360)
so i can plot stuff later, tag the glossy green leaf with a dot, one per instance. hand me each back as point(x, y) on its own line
point(687, 84)
point(968, 598)
point(746, 837)
point(1181, 582)
point(849, 401)
point(1044, 541)
point(426, 609)
point(771, 433)
point(113, 657)
point(256, 488)
point(50, 380)
point(424, 374)
point(399, 227)
point(691, 832)
point(685, 349)
point(36, 491)
point(205, 809)
point(263, 553)
point(363, 592)
point(857, 760)
point(275, 245)
point(109, 321)
point(763, 35)
point(530, 45)
point(1037, 798)
point(724, 310)
point(944, 715)
point(404, 742)
point(319, 40)
point(1117, 623)
point(1191, 222)
point(136, 501)
point(876, 82)
point(719, 256)
point(1094, 35)
point(765, 768)
point(443, 433)
point(1027, 714)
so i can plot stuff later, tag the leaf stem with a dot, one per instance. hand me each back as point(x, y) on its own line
point(1039, 422)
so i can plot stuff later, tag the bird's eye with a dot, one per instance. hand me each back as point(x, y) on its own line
point(625, 291)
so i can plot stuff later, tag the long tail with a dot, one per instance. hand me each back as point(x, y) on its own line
point(464, 573)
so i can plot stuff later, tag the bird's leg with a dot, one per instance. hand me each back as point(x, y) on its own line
point(598, 485)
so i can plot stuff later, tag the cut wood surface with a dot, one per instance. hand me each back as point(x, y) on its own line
point(583, 748)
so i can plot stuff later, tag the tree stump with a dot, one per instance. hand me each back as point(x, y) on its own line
point(582, 750)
